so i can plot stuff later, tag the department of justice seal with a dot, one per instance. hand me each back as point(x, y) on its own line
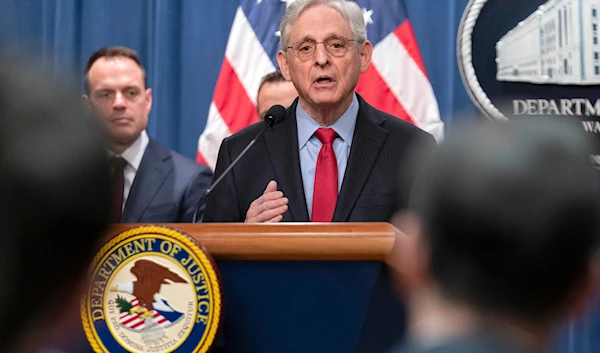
point(153, 289)
point(534, 60)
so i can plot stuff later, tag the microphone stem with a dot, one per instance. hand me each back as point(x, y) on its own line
point(225, 172)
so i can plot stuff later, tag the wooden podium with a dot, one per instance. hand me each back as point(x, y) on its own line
point(302, 287)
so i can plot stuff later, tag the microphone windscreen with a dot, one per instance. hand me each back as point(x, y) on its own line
point(275, 115)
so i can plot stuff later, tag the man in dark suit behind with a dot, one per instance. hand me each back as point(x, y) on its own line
point(334, 157)
point(153, 183)
point(500, 245)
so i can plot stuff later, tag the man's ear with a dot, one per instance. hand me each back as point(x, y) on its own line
point(283, 65)
point(365, 56)
point(148, 94)
point(409, 257)
point(86, 103)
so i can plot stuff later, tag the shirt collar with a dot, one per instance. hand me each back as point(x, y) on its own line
point(134, 153)
point(344, 126)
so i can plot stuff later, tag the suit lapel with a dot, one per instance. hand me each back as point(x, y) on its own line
point(153, 171)
point(282, 145)
point(369, 138)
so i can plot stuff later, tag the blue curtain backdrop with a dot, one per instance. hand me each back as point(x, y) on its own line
point(182, 43)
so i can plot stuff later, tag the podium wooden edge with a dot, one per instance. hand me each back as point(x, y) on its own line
point(288, 241)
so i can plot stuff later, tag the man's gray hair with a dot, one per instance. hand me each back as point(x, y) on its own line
point(348, 9)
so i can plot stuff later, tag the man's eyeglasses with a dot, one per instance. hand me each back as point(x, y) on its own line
point(305, 49)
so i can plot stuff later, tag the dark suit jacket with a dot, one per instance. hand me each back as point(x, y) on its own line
point(377, 180)
point(166, 188)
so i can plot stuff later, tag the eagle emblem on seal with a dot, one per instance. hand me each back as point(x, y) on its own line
point(147, 310)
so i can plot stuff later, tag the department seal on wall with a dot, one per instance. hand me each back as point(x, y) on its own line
point(153, 289)
point(530, 60)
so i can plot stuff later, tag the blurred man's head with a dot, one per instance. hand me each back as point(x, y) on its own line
point(274, 89)
point(55, 197)
point(117, 94)
point(508, 216)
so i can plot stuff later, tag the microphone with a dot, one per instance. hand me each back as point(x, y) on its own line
point(274, 116)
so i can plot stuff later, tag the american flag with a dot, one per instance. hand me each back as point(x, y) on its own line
point(396, 82)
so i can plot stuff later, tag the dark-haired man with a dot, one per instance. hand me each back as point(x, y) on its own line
point(152, 183)
point(501, 243)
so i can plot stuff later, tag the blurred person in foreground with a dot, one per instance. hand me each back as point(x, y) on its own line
point(334, 158)
point(274, 89)
point(153, 184)
point(500, 244)
point(54, 207)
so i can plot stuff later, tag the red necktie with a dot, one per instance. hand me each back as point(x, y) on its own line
point(326, 178)
point(118, 166)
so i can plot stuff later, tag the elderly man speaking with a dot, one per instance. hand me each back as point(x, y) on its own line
point(334, 157)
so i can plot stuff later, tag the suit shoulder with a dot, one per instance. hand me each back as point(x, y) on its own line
point(399, 124)
point(407, 130)
point(394, 124)
point(180, 161)
point(244, 136)
point(185, 161)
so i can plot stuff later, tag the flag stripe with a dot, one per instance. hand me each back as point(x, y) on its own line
point(406, 36)
point(199, 158)
point(135, 322)
point(413, 91)
point(264, 30)
point(210, 140)
point(138, 324)
point(126, 315)
point(232, 101)
point(127, 321)
point(246, 54)
point(375, 91)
